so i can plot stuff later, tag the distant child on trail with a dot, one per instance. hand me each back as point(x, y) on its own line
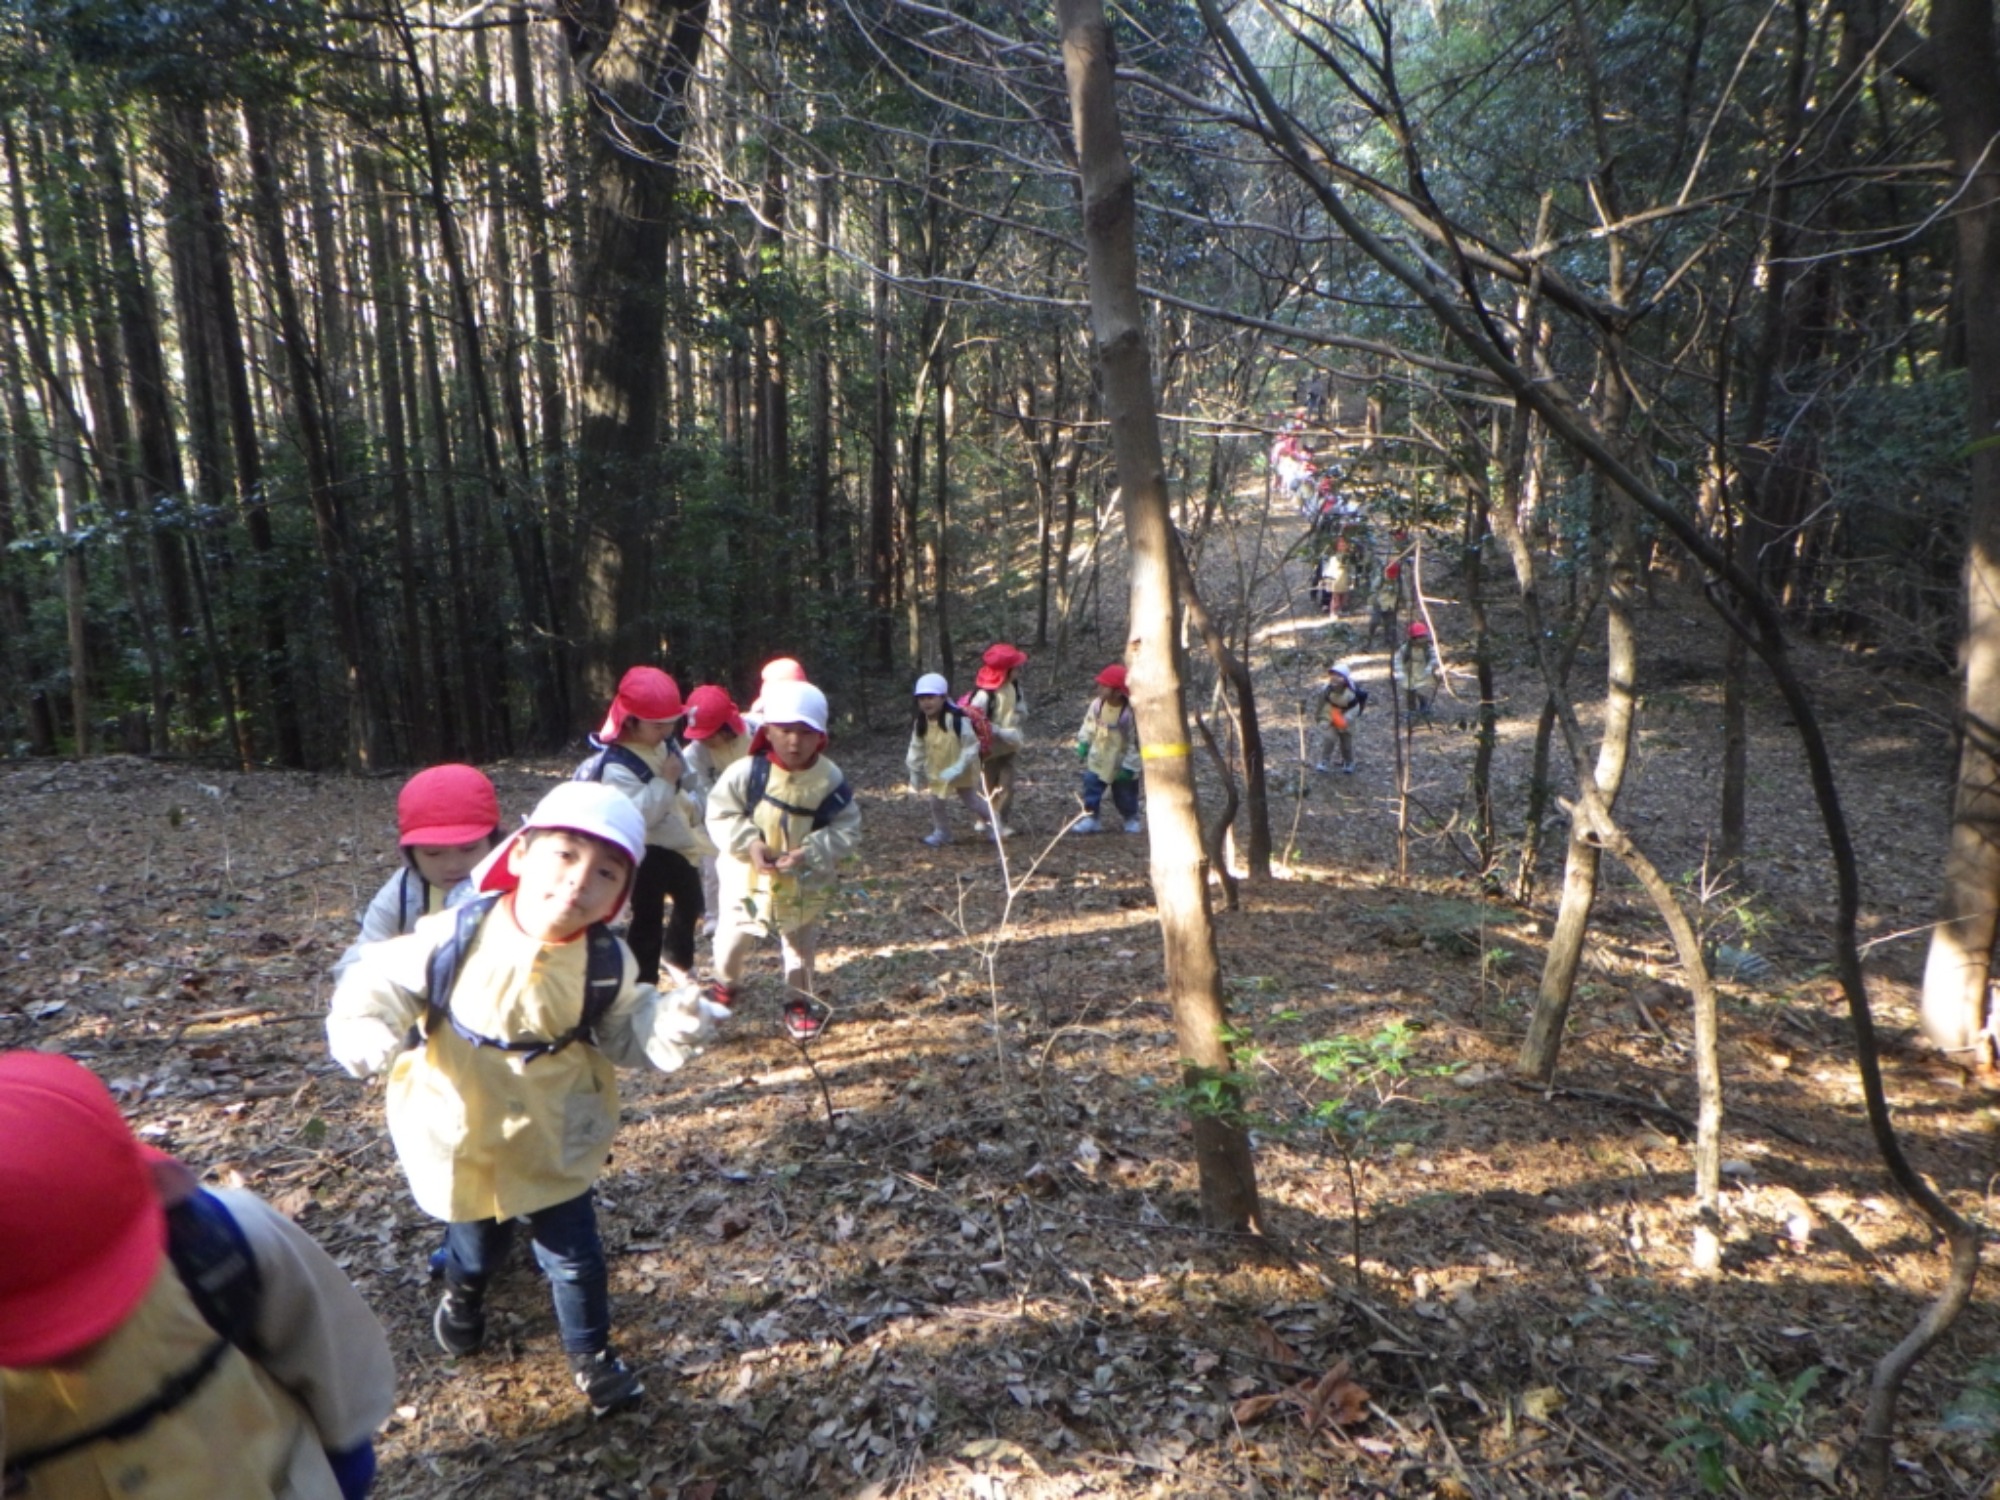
point(1108, 746)
point(1416, 669)
point(943, 758)
point(1384, 605)
point(159, 1340)
point(783, 818)
point(525, 1001)
point(1335, 581)
point(631, 752)
point(1342, 699)
point(447, 820)
point(997, 695)
point(716, 739)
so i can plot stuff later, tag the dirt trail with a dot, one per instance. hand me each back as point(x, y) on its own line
point(985, 1275)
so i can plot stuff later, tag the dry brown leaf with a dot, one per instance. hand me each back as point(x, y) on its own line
point(1272, 1347)
point(728, 1222)
point(1253, 1409)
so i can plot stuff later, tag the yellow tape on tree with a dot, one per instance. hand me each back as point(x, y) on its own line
point(1164, 752)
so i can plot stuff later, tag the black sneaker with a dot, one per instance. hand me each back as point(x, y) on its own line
point(806, 1019)
point(605, 1381)
point(460, 1324)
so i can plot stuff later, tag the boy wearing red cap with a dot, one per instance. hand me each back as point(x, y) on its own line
point(631, 752)
point(996, 694)
point(447, 821)
point(783, 819)
point(113, 1381)
point(525, 1001)
point(1416, 668)
point(716, 739)
point(1108, 746)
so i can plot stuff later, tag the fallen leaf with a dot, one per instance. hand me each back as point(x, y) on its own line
point(1253, 1409)
point(1541, 1403)
point(728, 1222)
point(1274, 1348)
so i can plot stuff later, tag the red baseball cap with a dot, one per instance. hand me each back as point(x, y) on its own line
point(999, 660)
point(447, 805)
point(1418, 630)
point(643, 693)
point(82, 1233)
point(1113, 677)
point(709, 710)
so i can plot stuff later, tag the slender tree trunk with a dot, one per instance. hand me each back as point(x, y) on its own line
point(636, 59)
point(1958, 969)
point(1179, 868)
point(361, 681)
point(881, 468)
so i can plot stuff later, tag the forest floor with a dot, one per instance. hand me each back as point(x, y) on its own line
point(984, 1274)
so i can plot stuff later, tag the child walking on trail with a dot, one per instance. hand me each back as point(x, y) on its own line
point(943, 759)
point(524, 1002)
point(631, 751)
point(1383, 606)
point(447, 820)
point(997, 695)
point(1342, 699)
point(1108, 746)
point(158, 1339)
point(716, 739)
point(1415, 668)
point(783, 819)
point(1335, 581)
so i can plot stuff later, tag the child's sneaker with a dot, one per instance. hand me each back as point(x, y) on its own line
point(1347, 769)
point(1320, 766)
point(460, 1323)
point(937, 838)
point(605, 1381)
point(1088, 823)
point(723, 996)
point(1133, 825)
point(805, 1019)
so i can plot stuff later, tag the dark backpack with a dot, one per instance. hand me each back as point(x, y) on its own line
point(614, 753)
point(756, 790)
point(604, 973)
point(212, 1256)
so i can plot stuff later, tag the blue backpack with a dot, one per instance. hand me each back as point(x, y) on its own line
point(756, 790)
point(604, 972)
point(614, 753)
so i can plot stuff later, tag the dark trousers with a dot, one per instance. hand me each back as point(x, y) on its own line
point(1124, 794)
point(664, 875)
point(572, 1257)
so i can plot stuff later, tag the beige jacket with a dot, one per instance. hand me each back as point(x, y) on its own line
point(486, 1134)
point(941, 762)
point(780, 903)
point(323, 1381)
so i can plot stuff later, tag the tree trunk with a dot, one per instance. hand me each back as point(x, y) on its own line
point(1959, 966)
point(1565, 951)
point(343, 580)
point(636, 59)
point(1179, 869)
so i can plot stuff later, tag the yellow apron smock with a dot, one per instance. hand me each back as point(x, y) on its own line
point(238, 1436)
point(940, 751)
point(1108, 742)
point(487, 1134)
point(780, 903)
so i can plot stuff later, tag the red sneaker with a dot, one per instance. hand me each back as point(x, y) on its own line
point(806, 1019)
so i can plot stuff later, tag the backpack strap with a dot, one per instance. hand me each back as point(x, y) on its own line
point(756, 789)
point(612, 754)
point(212, 1255)
point(604, 976)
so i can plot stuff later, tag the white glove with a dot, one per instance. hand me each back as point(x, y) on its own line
point(682, 1024)
point(364, 1045)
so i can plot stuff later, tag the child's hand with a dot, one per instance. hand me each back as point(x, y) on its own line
point(364, 1045)
point(791, 861)
point(760, 858)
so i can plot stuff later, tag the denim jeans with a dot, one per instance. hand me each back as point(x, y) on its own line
point(1124, 794)
point(572, 1257)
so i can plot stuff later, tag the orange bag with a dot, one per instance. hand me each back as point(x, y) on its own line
point(1336, 718)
